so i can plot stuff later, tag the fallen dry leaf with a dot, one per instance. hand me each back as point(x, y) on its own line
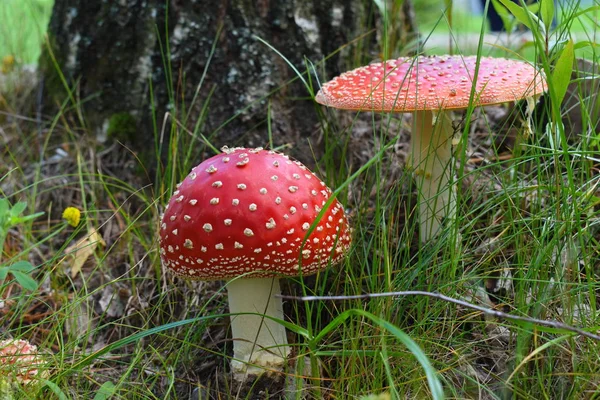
point(78, 253)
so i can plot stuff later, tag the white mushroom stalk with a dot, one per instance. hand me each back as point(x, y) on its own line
point(430, 158)
point(259, 343)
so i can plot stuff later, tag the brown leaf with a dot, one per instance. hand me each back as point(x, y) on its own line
point(78, 253)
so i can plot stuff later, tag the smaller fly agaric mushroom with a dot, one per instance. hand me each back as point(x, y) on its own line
point(430, 88)
point(248, 211)
point(19, 359)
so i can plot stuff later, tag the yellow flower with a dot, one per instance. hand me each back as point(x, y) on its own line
point(72, 215)
point(7, 63)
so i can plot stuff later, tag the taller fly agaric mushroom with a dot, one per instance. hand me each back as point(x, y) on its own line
point(430, 88)
point(249, 211)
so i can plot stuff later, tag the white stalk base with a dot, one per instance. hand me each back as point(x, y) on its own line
point(431, 156)
point(259, 343)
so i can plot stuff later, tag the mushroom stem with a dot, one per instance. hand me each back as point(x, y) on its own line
point(431, 155)
point(258, 343)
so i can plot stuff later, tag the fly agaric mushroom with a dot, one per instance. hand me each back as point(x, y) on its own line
point(248, 211)
point(19, 359)
point(430, 87)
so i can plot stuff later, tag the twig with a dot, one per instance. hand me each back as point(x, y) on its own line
point(488, 311)
point(478, 160)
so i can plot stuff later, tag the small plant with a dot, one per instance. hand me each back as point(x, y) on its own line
point(10, 217)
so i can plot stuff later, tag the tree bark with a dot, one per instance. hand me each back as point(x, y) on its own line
point(116, 53)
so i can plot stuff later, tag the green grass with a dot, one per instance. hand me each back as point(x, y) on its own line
point(527, 223)
point(23, 28)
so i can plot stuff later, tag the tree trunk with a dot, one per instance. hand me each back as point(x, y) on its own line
point(117, 53)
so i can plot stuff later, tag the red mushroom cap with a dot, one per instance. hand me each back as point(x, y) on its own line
point(249, 210)
point(431, 83)
point(21, 358)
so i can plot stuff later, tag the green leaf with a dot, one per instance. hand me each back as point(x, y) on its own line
point(547, 12)
point(4, 206)
point(106, 391)
point(23, 266)
point(28, 217)
point(533, 7)
point(18, 208)
point(55, 389)
point(26, 281)
point(3, 273)
point(585, 43)
point(522, 15)
point(507, 20)
point(561, 76)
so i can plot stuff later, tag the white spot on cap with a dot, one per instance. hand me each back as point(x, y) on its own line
point(193, 176)
point(257, 250)
point(219, 246)
point(207, 227)
point(248, 232)
point(293, 210)
point(211, 169)
point(305, 253)
point(188, 244)
point(193, 202)
point(203, 249)
point(305, 206)
point(227, 221)
point(252, 207)
point(270, 224)
point(238, 245)
point(235, 202)
point(276, 163)
point(305, 226)
point(290, 231)
point(274, 177)
point(243, 162)
point(217, 184)
point(179, 199)
point(174, 232)
point(296, 176)
point(170, 249)
point(214, 201)
point(241, 186)
point(226, 159)
point(186, 218)
point(263, 191)
point(293, 189)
